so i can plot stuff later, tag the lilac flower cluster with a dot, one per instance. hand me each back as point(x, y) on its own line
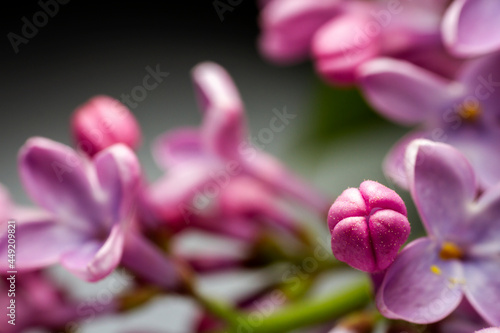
point(433, 65)
point(96, 210)
point(429, 63)
point(426, 63)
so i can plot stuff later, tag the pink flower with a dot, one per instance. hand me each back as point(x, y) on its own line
point(342, 35)
point(368, 226)
point(460, 257)
point(201, 162)
point(101, 122)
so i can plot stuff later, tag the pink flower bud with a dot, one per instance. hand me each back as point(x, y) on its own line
point(101, 122)
point(368, 226)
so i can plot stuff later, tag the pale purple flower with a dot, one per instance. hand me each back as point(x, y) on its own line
point(201, 162)
point(90, 205)
point(462, 112)
point(101, 122)
point(460, 257)
point(470, 27)
point(368, 226)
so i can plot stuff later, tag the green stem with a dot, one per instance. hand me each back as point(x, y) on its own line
point(217, 308)
point(310, 312)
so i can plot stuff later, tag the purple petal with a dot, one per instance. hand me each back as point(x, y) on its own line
point(433, 56)
point(40, 242)
point(485, 230)
point(403, 92)
point(482, 149)
point(394, 163)
point(172, 195)
point(150, 263)
point(269, 170)
point(57, 178)
point(482, 80)
point(94, 260)
point(119, 174)
point(224, 126)
point(243, 196)
point(442, 184)
point(482, 287)
point(470, 27)
point(339, 48)
point(177, 147)
point(215, 88)
point(239, 228)
point(288, 27)
point(417, 288)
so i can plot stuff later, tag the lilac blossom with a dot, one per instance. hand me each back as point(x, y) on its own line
point(101, 122)
point(368, 226)
point(460, 257)
point(461, 112)
point(470, 27)
point(89, 207)
point(342, 35)
point(201, 162)
point(288, 27)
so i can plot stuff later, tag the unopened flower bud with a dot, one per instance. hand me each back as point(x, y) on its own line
point(101, 122)
point(368, 226)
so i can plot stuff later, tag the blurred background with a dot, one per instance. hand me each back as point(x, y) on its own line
point(93, 47)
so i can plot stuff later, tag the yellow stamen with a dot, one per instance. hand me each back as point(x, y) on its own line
point(436, 270)
point(469, 111)
point(450, 251)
